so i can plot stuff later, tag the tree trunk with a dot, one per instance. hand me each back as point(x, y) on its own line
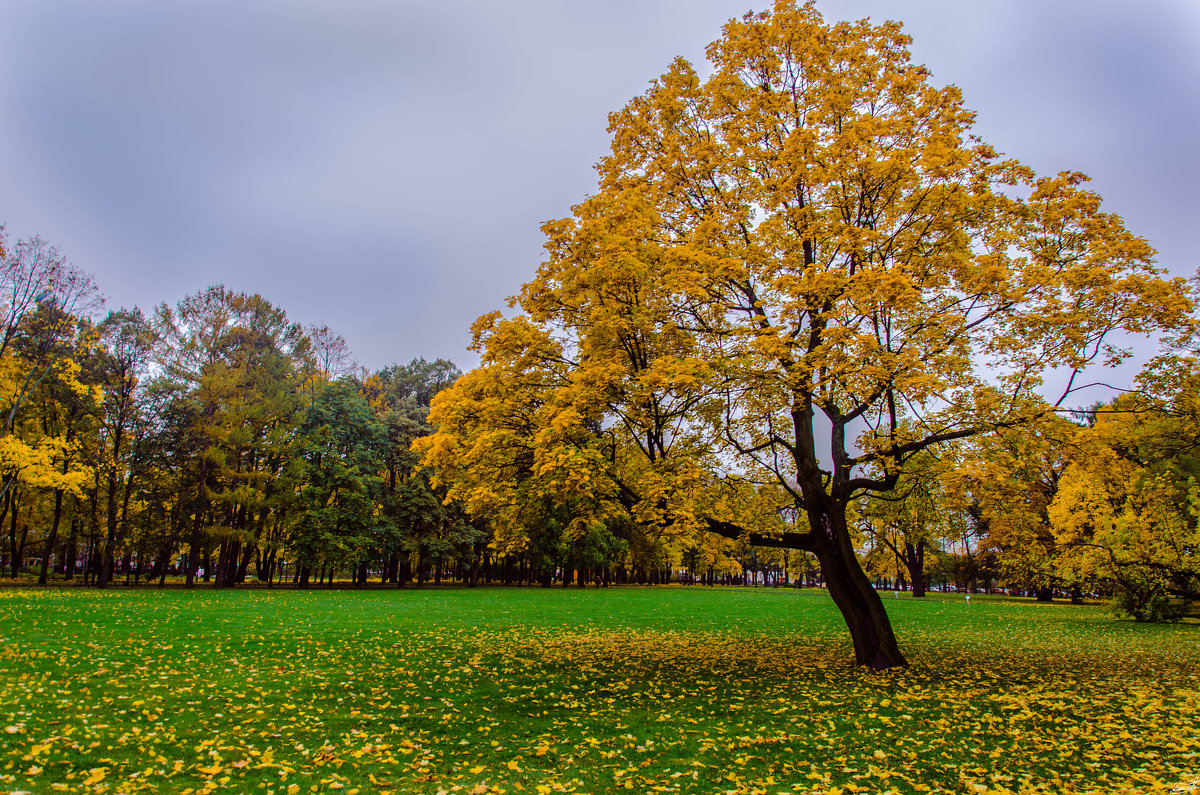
point(108, 557)
point(17, 547)
point(12, 532)
point(198, 522)
point(44, 575)
point(222, 554)
point(239, 576)
point(870, 629)
point(914, 559)
point(268, 566)
point(71, 554)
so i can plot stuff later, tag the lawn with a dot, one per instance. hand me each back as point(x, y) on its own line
point(528, 690)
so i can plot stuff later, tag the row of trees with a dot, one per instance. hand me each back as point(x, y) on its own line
point(214, 438)
point(217, 439)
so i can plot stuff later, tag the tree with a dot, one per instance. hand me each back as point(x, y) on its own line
point(912, 518)
point(419, 380)
point(44, 306)
point(1006, 482)
point(1126, 514)
point(343, 452)
point(235, 356)
point(126, 342)
point(811, 236)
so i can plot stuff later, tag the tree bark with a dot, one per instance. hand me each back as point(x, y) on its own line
point(71, 553)
point(44, 575)
point(870, 629)
point(17, 548)
point(914, 559)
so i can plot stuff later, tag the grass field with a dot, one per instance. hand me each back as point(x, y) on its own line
point(528, 690)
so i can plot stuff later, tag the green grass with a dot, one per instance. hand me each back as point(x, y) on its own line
point(643, 689)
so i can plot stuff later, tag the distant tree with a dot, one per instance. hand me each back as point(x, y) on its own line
point(343, 452)
point(330, 353)
point(1006, 481)
point(125, 353)
point(1127, 510)
point(236, 356)
point(45, 307)
point(419, 380)
point(913, 518)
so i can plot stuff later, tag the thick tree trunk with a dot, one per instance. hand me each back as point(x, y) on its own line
point(870, 628)
point(247, 555)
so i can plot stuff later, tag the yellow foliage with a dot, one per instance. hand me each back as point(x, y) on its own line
point(810, 230)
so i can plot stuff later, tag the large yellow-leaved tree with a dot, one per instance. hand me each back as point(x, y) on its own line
point(796, 273)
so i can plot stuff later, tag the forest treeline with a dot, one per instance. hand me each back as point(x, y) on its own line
point(215, 440)
point(212, 438)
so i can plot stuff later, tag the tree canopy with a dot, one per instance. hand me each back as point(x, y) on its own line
point(799, 270)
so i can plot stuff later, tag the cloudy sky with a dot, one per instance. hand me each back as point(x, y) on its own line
point(384, 166)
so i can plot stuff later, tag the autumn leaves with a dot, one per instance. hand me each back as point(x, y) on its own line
point(488, 691)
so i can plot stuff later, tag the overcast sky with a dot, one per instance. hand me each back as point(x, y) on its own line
point(384, 167)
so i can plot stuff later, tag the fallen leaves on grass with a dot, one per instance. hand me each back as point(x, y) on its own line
point(293, 693)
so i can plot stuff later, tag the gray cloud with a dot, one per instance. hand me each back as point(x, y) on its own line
point(384, 167)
